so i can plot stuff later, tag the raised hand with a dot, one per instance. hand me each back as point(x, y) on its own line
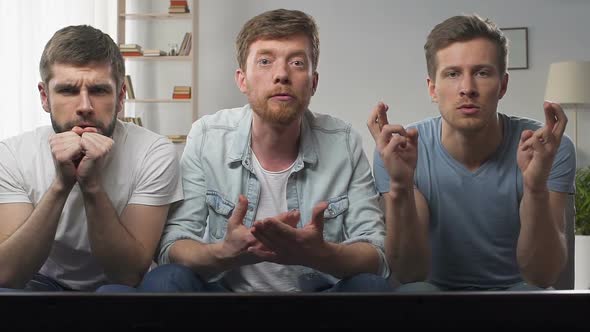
point(397, 147)
point(238, 237)
point(537, 150)
point(285, 244)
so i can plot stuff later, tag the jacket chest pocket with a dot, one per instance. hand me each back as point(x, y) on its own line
point(220, 209)
point(334, 218)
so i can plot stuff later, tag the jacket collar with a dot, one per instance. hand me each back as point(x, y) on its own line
point(240, 150)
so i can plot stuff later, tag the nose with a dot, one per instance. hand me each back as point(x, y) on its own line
point(281, 73)
point(468, 87)
point(84, 104)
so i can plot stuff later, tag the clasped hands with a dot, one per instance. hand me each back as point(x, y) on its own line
point(275, 239)
point(77, 154)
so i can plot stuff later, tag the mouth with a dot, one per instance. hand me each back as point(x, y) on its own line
point(468, 109)
point(282, 97)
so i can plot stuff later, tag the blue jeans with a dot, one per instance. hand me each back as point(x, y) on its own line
point(423, 286)
point(39, 283)
point(172, 278)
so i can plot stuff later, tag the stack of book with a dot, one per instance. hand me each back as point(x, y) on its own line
point(136, 120)
point(181, 92)
point(153, 52)
point(177, 138)
point(185, 46)
point(130, 92)
point(130, 50)
point(178, 7)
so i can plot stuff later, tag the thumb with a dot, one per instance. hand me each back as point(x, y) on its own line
point(317, 215)
point(237, 216)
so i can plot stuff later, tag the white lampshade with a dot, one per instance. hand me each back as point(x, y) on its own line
point(568, 83)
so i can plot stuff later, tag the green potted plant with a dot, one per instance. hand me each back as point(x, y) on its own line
point(583, 201)
point(582, 253)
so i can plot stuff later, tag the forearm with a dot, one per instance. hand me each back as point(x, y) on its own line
point(541, 250)
point(206, 260)
point(407, 245)
point(344, 260)
point(26, 250)
point(122, 257)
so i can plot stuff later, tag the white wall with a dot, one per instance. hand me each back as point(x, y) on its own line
point(372, 50)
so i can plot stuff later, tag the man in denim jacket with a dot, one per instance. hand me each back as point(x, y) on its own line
point(277, 198)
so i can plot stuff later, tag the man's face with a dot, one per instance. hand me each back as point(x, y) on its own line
point(83, 96)
point(278, 79)
point(468, 84)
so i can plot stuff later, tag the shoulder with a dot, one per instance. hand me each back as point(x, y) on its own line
point(326, 122)
point(519, 123)
point(426, 124)
point(229, 117)
point(133, 139)
point(29, 141)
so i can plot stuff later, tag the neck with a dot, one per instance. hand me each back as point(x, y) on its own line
point(472, 148)
point(276, 146)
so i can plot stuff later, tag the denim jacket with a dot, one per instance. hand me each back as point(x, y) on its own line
point(331, 166)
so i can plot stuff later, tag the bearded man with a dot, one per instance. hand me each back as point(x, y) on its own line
point(277, 198)
point(83, 202)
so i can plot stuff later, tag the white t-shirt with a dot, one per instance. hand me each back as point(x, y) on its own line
point(266, 276)
point(142, 168)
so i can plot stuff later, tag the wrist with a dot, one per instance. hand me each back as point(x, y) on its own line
point(324, 256)
point(90, 186)
point(541, 191)
point(400, 190)
point(60, 187)
point(220, 256)
point(533, 189)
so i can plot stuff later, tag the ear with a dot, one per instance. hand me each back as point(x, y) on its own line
point(240, 78)
point(121, 97)
point(432, 89)
point(315, 80)
point(504, 85)
point(44, 94)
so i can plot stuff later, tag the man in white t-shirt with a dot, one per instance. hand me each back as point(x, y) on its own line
point(277, 198)
point(83, 202)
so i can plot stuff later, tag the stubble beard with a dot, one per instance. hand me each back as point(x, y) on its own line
point(277, 112)
point(103, 130)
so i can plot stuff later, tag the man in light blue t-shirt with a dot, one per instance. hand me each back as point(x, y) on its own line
point(474, 199)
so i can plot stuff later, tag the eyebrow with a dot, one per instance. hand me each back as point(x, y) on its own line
point(103, 86)
point(266, 51)
point(475, 67)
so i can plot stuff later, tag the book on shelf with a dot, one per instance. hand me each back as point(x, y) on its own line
point(153, 52)
point(177, 138)
point(136, 120)
point(178, 7)
point(130, 49)
point(181, 92)
point(129, 85)
point(185, 46)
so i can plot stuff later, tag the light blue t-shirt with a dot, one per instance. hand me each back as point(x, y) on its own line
point(474, 216)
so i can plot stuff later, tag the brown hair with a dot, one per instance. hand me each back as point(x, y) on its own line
point(80, 45)
point(276, 24)
point(464, 28)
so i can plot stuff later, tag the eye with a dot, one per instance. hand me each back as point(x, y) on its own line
point(70, 90)
point(452, 74)
point(483, 73)
point(298, 63)
point(263, 61)
point(99, 91)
